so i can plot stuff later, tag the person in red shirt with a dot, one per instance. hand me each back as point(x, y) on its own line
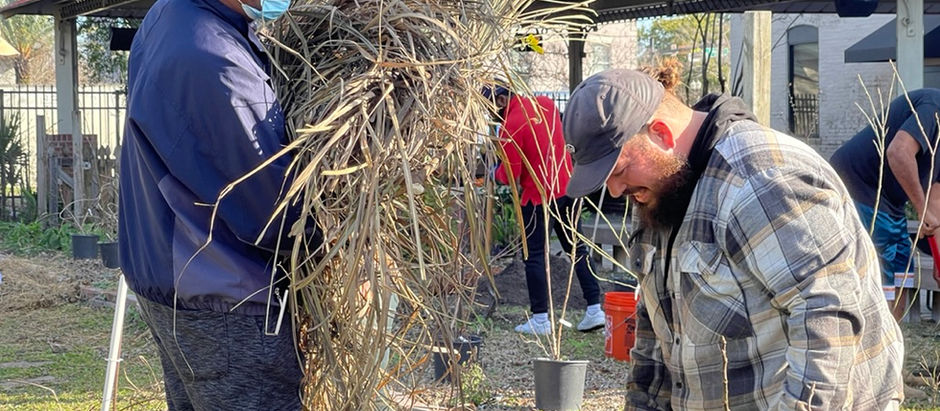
point(535, 159)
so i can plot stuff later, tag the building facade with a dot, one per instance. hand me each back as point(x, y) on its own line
point(612, 45)
point(815, 94)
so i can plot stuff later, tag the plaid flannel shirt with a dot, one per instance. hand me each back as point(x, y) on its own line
point(773, 297)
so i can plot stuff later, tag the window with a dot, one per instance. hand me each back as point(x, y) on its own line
point(803, 90)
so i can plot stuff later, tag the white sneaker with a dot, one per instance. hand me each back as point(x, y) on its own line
point(534, 326)
point(592, 321)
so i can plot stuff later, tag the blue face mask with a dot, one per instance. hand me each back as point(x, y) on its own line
point(270, 10)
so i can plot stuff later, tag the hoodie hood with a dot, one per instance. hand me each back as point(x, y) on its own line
point(723, 111)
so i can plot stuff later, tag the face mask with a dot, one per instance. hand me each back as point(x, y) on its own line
point(270, 10)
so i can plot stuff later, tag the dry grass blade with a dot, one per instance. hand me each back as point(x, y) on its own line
point(383, 101)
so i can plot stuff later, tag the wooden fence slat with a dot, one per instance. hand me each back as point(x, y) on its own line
point(42, 168)
point(78, 166)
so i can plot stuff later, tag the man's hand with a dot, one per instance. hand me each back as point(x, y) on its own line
point(931, 221)
point(931, 218)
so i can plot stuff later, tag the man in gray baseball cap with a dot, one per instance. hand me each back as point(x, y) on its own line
point(604, 115)
point(597, 123)
point(760, 287)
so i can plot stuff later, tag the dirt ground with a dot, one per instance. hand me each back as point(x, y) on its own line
point(42, 366)
point(54, 335)
point(509, 383)
point(55, 324)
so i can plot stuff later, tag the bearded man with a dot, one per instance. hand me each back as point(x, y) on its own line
point(759, 287)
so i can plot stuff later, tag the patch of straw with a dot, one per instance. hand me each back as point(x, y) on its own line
point(27, 285)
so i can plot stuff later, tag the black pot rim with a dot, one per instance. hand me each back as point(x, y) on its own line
point(473, 340)
point(76, 235)
point(544, 359)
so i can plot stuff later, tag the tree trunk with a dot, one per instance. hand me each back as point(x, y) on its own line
point(688, 81)
point(21, 68)
point(704, 30)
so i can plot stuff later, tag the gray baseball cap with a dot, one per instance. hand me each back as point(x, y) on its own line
point(603, 112)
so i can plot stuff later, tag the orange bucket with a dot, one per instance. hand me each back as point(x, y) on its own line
point(620, 327)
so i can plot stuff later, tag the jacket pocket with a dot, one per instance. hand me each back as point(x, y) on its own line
point(712, 301)
point(641, 258)
point(200, 349)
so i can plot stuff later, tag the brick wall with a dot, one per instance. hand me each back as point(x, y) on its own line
point(839, 85)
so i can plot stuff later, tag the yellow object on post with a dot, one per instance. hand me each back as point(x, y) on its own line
point(533, 42)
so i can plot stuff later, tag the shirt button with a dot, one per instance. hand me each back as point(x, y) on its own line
point(679, 385)
point(677, 340)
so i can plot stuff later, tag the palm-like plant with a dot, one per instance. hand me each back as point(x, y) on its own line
point(12, 160)
point(28, 35)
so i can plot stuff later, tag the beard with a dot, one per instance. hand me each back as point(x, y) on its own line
point(671, 198)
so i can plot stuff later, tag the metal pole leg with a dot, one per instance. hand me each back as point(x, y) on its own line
point(114, 352)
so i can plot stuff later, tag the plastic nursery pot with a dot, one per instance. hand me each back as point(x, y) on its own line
point(449, 362)
point(109, 254)
point(559, 385)
point(84, 246)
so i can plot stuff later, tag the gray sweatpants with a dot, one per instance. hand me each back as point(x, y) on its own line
point(223, 361)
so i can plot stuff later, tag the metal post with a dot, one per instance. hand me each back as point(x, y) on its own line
point(575, 59)
point(114, 351)
point(117, 123)
point(3, 111)
point(910, 44)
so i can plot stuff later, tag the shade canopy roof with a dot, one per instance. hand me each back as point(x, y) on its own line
point(607, 11)
point(73, 8)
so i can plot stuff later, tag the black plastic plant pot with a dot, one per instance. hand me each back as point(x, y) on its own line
point(109, 254)
point(559, 385)
point(623, 281)
point(84, 246)
point(448, 363)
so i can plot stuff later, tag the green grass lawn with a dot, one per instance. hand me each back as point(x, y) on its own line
point(55, 359)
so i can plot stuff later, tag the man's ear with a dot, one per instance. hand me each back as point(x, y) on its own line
point(662, 132)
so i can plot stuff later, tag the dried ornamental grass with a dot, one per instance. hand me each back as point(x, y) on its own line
point(383, 101)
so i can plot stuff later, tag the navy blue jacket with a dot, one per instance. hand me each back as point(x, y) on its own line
point(857, 161)
point(201, 114)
